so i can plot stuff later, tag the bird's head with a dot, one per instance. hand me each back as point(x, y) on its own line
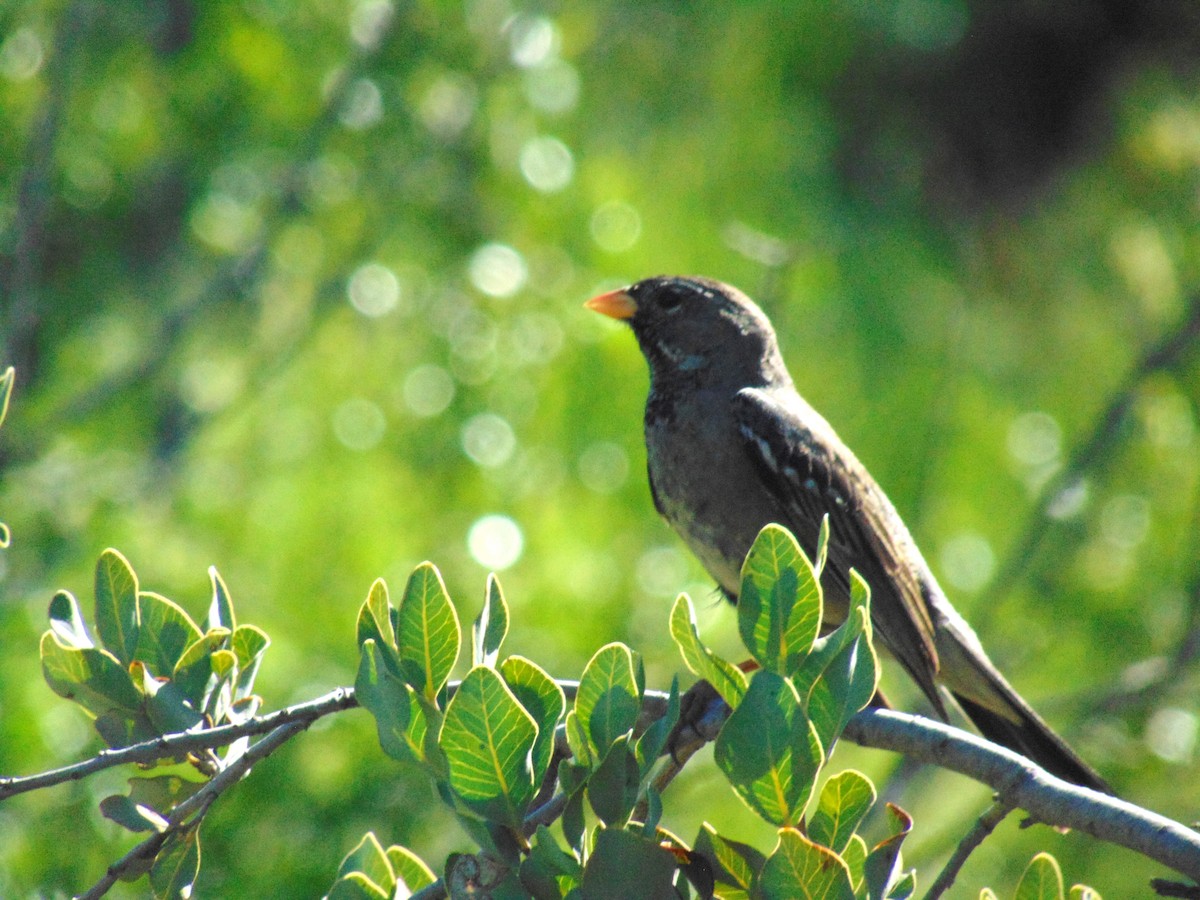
point(697, 328)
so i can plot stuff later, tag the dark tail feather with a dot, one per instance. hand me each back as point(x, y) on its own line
point(1033, 738)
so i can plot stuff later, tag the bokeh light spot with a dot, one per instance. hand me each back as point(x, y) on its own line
point(497, 270)
point(358, 424)
point(428, 390)
point(488, 440)
point(373, 290)
point(495, 542)
point(547, 164)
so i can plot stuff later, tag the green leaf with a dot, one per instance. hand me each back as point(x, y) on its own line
point(882, 867)
point(798, 868)
point(195, 665)
point(769, 751)
point(166, 706)
point(389, 700)
point(7, 377)
point(91, 677)
point(546, 868)
point(543, 699)
point(855, 858)
point(779, 608)
point(822, 547)
point(375, 617)
point(1042, 880)
point(410, 869)
point(428, 635)
point(177, 865)
point(117, 606)
point(66, 621)
point(577, 741)
point(132, 816)
point(733, 863)
point(844, 801)
point(728, 680)
point(650, 745)
point(609, 698)
point(356, 886)
point(249, 644)
point(368, 859)
point(841, 675)
point(487, 737)
point(491, 626)
point(613, 786)
point(164, 633)
point(220, 609)
point(624, 865)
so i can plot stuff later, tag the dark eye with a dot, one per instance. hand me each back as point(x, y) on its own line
point(671, 296)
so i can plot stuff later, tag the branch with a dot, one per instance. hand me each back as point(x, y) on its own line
point(148, 752)
point(1020, 783)
point(189, 813)
point(984, 826)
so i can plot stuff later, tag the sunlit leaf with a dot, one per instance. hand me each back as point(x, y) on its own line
point(779, 607)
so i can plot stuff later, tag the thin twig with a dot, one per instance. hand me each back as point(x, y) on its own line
point(188, 813)
point(147, 752)
point(983, 827)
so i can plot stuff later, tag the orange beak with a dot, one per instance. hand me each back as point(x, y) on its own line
point(614, 304)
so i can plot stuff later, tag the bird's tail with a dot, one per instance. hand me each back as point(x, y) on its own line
point(1024, 731)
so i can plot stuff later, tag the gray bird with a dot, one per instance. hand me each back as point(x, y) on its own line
point(731, 446)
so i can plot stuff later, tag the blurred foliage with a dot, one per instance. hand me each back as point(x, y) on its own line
point(295, 289)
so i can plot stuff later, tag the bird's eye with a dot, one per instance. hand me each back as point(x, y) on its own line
point(671, 297)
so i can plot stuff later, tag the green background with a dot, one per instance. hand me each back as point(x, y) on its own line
point(295, 289)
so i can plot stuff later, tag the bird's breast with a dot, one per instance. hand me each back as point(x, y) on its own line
point(704, 484)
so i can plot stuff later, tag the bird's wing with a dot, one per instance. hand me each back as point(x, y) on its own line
point(811, 472)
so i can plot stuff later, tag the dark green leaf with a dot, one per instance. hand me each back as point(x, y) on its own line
point(882, 867)
point(195, 665)
point(386, 697)
point(733, 863)
point(625, 865)
point(613, 786)
point(769, 751)
point(487, 737)
point(491, 626)
point(609, 699)
point(167, 708)
point(799, 868)
point(779, 608)
point(728, 680)
point(546, 864)
point(220, 609)
point(66, 621)
point(117, 606)
point(130, 815)
point(177, 865)
point(650, 745)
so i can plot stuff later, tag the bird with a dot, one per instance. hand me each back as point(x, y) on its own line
point(731, 446)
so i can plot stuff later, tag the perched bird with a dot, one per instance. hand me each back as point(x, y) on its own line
point(731, 446)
